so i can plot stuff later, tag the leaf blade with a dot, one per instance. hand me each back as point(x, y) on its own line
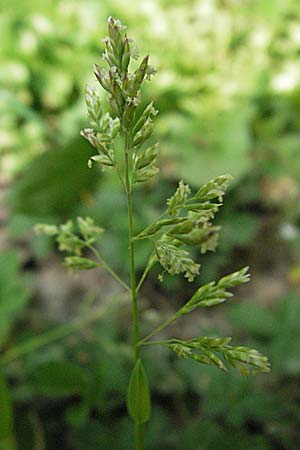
point(6, 416)
point(138, 395)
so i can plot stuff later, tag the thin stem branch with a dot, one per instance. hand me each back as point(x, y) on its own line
point(148, 267)
point(117, 169)
point(108, 268)
point(149, 226)
point(120, 176)
point(159, 328)
point(156, 343)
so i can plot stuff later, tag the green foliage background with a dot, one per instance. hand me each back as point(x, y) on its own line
point(227, 90)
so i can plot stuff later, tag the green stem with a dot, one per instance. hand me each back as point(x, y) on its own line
point(160, 328)
point(158, 342)
point(108, 268)
point(138, 429)
point(121, 178)
point(149, 226)
point(139, 436)
point(148, 267)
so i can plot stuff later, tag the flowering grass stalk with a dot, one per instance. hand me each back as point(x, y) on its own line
point(186, 221)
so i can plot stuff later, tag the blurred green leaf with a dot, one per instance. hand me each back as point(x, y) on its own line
point(253, 319)
point(55, 183)
point(206, 435)
point(14, 293)
point(78, 415)
point(6, 410)
point(58, 379)
point(208, 153)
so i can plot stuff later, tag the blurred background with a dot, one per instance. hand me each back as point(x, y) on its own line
point(227, 89)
